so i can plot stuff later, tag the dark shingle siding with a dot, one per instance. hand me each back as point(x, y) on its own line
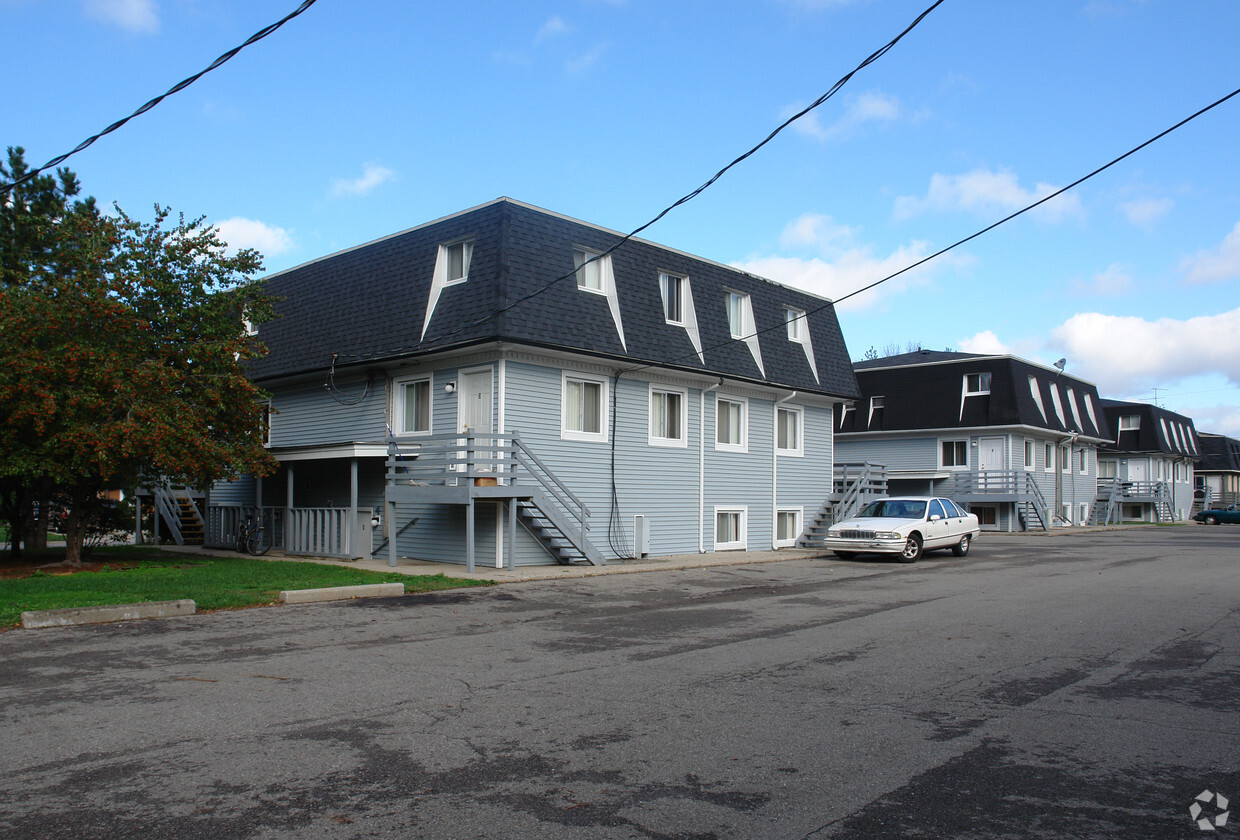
point(1148, 437)
point(368, 303)
point(923, 390)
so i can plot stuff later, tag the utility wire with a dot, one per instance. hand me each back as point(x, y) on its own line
point(873, 57)
point(960, 242)
point(179, 86)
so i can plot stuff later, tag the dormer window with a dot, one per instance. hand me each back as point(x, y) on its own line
point(456, 259)
point(737, 307)
point(589, 270)
point(876, 409)
point(673, 288)
point(795, 319)
point(976, 384)
point(1130, 422)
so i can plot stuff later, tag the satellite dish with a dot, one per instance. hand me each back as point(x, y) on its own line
point(1059, 365)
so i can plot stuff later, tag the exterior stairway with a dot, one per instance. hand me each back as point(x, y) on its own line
point(852, 486)
point(554, 532)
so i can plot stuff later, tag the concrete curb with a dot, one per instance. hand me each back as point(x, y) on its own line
point(341, 593)
point(34, 619)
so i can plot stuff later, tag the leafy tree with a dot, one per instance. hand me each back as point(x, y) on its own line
point(125, 355)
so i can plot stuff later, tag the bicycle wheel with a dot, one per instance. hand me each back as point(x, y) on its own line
point(259, 542)
point(243, 539)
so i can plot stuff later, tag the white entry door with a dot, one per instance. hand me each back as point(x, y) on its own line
point(990, 453)
point(474, 406)
point(1137, 470)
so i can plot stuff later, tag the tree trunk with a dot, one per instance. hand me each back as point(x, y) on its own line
point(75, 525)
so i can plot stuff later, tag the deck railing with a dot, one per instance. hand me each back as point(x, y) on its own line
point(448, 460)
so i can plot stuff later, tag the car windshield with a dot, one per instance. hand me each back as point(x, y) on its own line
point(895, 509)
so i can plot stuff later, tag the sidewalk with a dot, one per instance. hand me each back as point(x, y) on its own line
point(553, 572)
point(622, 567)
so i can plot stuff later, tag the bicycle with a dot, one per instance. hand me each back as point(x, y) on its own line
point(253, 538)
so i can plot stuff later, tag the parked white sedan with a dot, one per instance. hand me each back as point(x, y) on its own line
point(905, 526)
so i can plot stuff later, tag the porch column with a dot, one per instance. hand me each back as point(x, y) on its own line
point(137, 518)
point(469, 535)
point(289, 538)
point(391, 529)
point(351, 536)
point(512, 534)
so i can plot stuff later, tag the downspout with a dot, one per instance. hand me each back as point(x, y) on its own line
point(775, 464)
point(702, 467)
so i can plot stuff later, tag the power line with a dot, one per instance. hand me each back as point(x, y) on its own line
point(874, 56)
point(179, 86)
point(968, 238)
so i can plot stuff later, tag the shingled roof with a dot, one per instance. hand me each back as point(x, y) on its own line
point(929, 389)
point(1158, 430)
point(367, 305)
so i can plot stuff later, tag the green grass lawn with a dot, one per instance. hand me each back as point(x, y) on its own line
point(212, 582)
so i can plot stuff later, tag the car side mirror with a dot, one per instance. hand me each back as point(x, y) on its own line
point(934, 517)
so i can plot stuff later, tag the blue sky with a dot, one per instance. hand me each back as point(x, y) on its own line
point(359, 119)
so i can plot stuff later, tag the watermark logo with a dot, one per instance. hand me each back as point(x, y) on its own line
point(1209, 810)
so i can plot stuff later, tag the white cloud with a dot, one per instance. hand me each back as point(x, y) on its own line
point(1221, 419)
point(139, 16)
point(372, 176)
point(986, 192)
point(840, 265)
point(1112, 282)
point(584, 61)
point(985, 342)
point(240, 233)
point(1125, 354)
point(1215, 264)
point(553, 27)
point(1145, 212)
point(869, 107)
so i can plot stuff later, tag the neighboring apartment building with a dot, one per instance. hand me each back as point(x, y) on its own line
point(1218, 472)
point(1013, 441)
point(499, 384)
point(1151, 463)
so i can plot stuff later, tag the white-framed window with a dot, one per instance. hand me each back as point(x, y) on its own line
point(672, 286)
point(738, 308)
point(1129, 422)
point(976, 384)
point(795, 319)
point(456, 259)
point(1084, 514)
point(668, 416)
point(1065, 459)
point(1050, 457)
point(589, 265)
point(1106, 469)
point(1083, 461)
point(1029, 454)
point(731, 527)
point(249, 326)
point(411, 415)
point(787, 526)
point(731, 424)
point(583, 409)
point(790, 431)
point(954, 454)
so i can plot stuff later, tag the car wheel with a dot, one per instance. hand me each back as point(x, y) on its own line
point(845, 555)
point(912, 549)
point(1211, 520)
point(961, 548)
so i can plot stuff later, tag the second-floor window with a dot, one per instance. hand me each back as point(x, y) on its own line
point(730, 424)
point(413, 407)
point(584, 408)
point(954, 453)
point(1028, 454)
point(667, 417)
point(788, 432)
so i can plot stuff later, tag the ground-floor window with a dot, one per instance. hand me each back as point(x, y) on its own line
point(987, 515)
point(730, 528)
point(787, 526)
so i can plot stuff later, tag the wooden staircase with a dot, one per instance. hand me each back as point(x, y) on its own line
point(853, 485)
point(555, 533)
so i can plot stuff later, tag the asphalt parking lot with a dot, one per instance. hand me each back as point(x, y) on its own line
point(1077, 686)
